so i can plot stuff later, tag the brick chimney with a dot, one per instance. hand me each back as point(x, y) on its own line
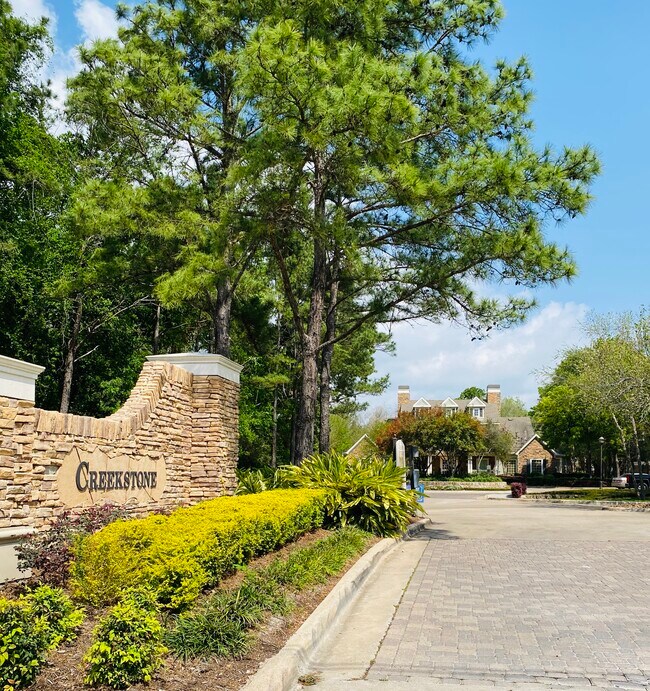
point(403, 397)
point(494, 395)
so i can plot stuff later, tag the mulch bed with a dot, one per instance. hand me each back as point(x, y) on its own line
point(65, 668)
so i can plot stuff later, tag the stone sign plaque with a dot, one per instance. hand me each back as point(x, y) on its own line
point(87, 478)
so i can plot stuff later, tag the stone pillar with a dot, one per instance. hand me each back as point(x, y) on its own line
point(17, 395)
point(215, 421)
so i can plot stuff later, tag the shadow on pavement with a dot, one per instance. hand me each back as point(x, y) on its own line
point(433, 533)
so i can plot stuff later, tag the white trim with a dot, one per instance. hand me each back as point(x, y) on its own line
point(445, 404)
point(203, 364)
point(422, 403)
point(476, 402)
point(357, 442)
point(18, 378)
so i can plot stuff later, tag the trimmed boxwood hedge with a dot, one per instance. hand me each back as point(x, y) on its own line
point(181, 554)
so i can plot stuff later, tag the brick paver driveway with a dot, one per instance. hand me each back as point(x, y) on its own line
point(518, 596)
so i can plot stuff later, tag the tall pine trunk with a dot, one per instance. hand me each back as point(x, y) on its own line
point(311, 340)
point(155, 347)
point(70, 356)
point(222, 306)
point(326, 367)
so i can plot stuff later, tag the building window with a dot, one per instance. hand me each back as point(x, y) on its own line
point(477, 412)
point(450, 411)
point(536, 466)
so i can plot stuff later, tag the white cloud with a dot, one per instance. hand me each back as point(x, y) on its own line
point(437, 361)
point(96, 20)
point(33, 10)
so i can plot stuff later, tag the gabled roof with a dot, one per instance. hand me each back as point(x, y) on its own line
point(422, 403)
point(449, 403)
point(476, 402)
point(361, 439)
point(535, 436)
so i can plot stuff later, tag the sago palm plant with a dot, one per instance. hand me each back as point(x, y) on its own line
point(366, 492)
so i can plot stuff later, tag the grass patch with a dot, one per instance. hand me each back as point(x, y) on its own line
point(594, 494)
point(221, 626)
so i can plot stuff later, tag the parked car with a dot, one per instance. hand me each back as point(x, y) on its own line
point(622, 481)
point(631, 480)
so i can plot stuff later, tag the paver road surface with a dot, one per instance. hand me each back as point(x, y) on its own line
point(501, 593)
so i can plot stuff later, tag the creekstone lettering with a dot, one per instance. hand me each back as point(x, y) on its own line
point(104, 480)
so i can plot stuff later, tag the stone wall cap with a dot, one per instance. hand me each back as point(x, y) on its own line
point(203, 364)
point(12, 533)
point(9, 365)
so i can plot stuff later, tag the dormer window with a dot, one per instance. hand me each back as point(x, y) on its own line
point(422, 404)
point(449, 406)
point(476, 407)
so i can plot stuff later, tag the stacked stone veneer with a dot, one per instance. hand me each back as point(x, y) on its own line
point(534, 450)
point(182, 425)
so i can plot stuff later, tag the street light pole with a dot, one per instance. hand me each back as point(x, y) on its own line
point(602, 441)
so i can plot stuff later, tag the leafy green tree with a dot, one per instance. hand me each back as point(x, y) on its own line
point(568, 425)
point(88, 319)
point(388, 154)
point(472, 392)
point(513, 407)
point(164, 112)
point(615, 380)
point(362, 151)
point(453, 437)
point(497, 442)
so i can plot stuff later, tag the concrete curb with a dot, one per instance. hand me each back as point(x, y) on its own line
point(280, 672)
point(596, 505)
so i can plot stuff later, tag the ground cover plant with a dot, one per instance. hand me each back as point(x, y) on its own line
point(132, 639)
point(31, 626)
point(179, 555)
point(365, 492)
point(222, 625)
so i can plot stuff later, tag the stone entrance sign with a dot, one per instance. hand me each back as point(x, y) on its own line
point(91, 478)
point(174, 442)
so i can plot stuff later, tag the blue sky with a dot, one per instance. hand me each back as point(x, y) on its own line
point(590, 60)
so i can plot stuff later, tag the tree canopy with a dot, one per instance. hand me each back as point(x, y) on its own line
point(472, 392)
point(274, 182)
point(513, 407)
point(601, 390)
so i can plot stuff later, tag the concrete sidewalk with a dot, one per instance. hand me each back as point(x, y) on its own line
point(500, 594)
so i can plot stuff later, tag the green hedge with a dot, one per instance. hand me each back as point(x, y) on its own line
point(181, 554)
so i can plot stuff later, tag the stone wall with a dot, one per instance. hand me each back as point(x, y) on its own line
point(174, 442)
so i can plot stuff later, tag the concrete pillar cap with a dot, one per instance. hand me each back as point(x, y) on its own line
point(204, 364)
point(18, 378)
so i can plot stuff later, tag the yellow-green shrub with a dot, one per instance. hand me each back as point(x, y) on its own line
point(194, 547)
point(127, 643)
point(29, 627)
